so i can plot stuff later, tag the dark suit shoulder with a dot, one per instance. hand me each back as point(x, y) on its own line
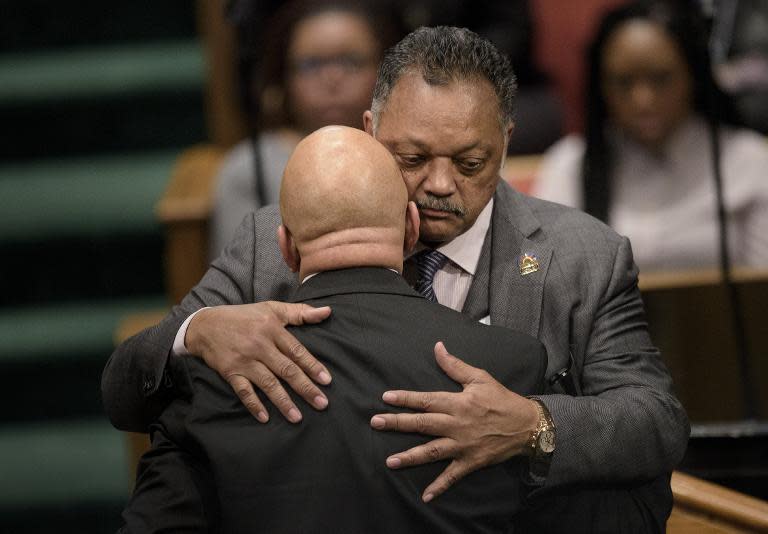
point(512, 357)
point(499, 350)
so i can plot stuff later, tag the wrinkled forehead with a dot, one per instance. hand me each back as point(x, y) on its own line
point(451, 111)
point(414, 97)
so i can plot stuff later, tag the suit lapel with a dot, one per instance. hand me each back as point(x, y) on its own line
point(476, 303)
point(516, 298)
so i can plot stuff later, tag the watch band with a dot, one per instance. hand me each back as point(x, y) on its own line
point(542, 441)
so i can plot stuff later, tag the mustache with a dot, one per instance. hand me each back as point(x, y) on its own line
point(441, 204)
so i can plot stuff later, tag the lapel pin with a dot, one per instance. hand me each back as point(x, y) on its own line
point(528, 264)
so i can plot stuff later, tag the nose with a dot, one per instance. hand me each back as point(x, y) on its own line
point(440, 180)
point(333, 75)
point(643, 96)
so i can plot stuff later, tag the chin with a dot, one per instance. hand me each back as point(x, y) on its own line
point(651, 137)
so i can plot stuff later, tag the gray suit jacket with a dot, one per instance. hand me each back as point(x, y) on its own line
point(625, 424)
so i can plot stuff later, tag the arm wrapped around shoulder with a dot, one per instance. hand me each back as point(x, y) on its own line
point(627, 425)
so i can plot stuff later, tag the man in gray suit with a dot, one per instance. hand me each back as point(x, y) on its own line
point(345, 212)
point(443, 107)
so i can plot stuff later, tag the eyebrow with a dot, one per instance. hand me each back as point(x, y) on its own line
point(479, 145)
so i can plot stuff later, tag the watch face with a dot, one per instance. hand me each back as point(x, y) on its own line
point(547, 441)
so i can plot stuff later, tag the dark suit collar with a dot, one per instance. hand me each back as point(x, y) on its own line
point(354, 280)
point(511, 220)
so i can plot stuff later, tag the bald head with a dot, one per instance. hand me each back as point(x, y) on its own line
point(340, 178)
point(342, 188)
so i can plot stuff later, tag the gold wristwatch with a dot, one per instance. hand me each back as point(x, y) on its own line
point(541, 445)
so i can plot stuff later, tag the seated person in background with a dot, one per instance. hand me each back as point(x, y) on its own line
point(645, 165)
point(318, 68)
point(346, 219)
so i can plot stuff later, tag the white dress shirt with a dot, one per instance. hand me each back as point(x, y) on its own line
point(452, 280)
point(666, 204)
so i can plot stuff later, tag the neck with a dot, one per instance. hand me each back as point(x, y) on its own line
point(332, 252)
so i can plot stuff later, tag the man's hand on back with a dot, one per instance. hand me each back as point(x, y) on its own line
point(248, 345)
point(483, 425)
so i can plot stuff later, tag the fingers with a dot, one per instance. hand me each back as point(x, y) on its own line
point(287, 344)
point(244, 390)
point(298, 314)
point(425, 401)
point(455, 471)
point(312, 315)
point(268, 383)
point(422, 423)
point(249, 343)
point(267, 374)
point(459, 371)
point(435, 450)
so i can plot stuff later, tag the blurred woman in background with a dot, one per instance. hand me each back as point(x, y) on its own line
point(645, 164)
point(318, 67)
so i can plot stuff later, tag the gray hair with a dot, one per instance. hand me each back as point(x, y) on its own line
point(442, 55)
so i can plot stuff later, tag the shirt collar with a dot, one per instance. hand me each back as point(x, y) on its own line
point(315, 274)
point(464, 250)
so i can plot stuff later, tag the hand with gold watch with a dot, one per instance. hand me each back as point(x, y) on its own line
point(541, 445)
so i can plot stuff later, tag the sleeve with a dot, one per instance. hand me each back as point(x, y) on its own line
point(173, 493)
point(558, 179)
point(627, 425)
point(135, 384)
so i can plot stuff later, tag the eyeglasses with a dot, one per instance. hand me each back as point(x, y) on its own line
point(313, 65)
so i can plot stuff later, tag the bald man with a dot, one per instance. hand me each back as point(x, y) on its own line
point(346, 221)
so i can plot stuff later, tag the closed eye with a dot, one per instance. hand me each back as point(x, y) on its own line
point(410, 161)
point(470, 166)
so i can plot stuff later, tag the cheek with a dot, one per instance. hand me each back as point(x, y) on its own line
point(300, 94)
point(679, 100)
point(617, 106)
point(475, 195)
point(412, 182)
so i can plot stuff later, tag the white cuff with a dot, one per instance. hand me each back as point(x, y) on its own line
point(179, 345)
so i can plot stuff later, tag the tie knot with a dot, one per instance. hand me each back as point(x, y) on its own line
point(428, 262)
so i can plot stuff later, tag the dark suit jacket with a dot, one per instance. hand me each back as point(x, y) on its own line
point(328, 473)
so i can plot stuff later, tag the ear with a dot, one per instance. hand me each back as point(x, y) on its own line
point(368, 122)
point(412, 223)
point(288, 248)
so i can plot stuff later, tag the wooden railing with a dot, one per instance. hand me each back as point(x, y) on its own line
point(705, 508)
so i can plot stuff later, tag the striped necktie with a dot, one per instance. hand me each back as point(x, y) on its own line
point(428, 262)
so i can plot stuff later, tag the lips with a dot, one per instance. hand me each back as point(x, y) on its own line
point(435, 214)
